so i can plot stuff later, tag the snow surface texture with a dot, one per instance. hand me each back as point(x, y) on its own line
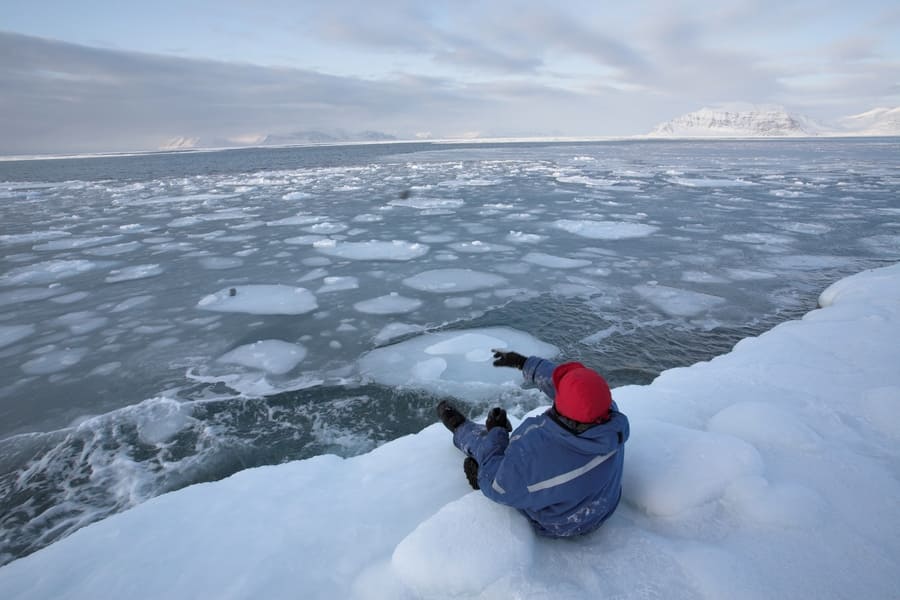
point(768, 472)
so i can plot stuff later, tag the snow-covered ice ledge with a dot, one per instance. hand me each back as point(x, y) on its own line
point(769, 472)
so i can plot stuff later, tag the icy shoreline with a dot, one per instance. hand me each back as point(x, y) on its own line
point(765, 472)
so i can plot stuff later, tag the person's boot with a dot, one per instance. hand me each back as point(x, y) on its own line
point(449, 416)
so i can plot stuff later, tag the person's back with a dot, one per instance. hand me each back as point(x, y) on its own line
point(561, 469)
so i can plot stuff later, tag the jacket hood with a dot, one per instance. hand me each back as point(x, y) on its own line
point(599, 439)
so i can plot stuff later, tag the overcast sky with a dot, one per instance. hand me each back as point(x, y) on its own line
point(102, 75)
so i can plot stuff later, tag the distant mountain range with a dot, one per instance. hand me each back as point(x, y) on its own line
point(279, 139)
point(775, 121)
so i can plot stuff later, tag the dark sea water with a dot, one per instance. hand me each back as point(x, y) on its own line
point(633, 257)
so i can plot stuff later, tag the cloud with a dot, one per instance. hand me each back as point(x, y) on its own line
point(58, 97)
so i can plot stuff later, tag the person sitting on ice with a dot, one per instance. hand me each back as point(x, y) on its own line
point(562, 469)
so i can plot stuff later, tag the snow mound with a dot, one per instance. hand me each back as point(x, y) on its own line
point(466, 546)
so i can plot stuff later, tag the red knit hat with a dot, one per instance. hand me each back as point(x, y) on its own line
point(581, 393)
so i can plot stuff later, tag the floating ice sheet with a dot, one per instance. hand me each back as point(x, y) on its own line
point(261, 300)
point(606, 230)
point(373, 250)
point(677, 302)
point(446, 281)
point(452, 362)
point(272, 356)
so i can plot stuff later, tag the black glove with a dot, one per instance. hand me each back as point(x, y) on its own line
point(508, 359)
point(470, 466)
point(497, 418)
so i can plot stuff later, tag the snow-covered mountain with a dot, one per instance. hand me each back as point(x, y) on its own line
point(878, 121)
point(776, 121)
point(749, 122)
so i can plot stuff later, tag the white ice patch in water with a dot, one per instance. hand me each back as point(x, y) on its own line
point(748, 274)
point(296, 220)
point(130, 303)
point(261, 300)
point(447, 281)
point(389, 304)
point(554, 262)
point(395, 330)
point(808, 228)
point(114, 250)
point(305, 240)
point(217, 263)
point(605, 230)
point(10, 334)
point(479, 247)
point(677, 302)
point(520, 237)
point(708, 182)
point(26, 295)
point(82, 322)
point(702, 277)
point(54, 361)
point(70, 298)
point(134, 272)
point(452, 362)
point(74, 243)
point(758, 238)
point(12, 239)
point(372, 250)
point(326, 228)
point(272, 356)
point(428, 203)
point(49, 271)
point(338, 284)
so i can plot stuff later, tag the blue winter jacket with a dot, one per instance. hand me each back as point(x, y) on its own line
point(565, 483)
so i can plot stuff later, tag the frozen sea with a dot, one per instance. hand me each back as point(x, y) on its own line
point(173, 318)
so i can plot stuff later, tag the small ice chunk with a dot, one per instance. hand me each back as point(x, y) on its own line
point(445, 281)
point(297, 220)
point(554, 262)
point(114, 249)
point(428, 203)
point(74, 243)
point(458, 302)
point(54, 361)
point(272, 356)
point(372, 250)
point(389, 304)
point(26, 295)
point(217, 263)
point(606, 230)
point(326, 228)
point(338, 284)
point(520, 237)
point(677, 302)
point(758, 238)
point(82, 321)
point(134, 272)
point(261, 300)
point(10, 334)
point(479, 247)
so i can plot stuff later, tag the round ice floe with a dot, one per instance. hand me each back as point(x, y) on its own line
point(394, 330)
point(18, 295)
point(261, 300)
point(134, 272)
point(520, 237)
point(672, 469)
point(272, 356)
point(605, 230)
point(388, 304)
point(452, 362)
point(479, 247)
point(554, 262)
point(326, 228)
point(466, 546)
point(338, 284)
point(445, 281)
point(10, 334)
point(372, 250)
point(54, 361)
point(677, 302)
point(114, 249)
point(48, 271)
point(220, 262)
